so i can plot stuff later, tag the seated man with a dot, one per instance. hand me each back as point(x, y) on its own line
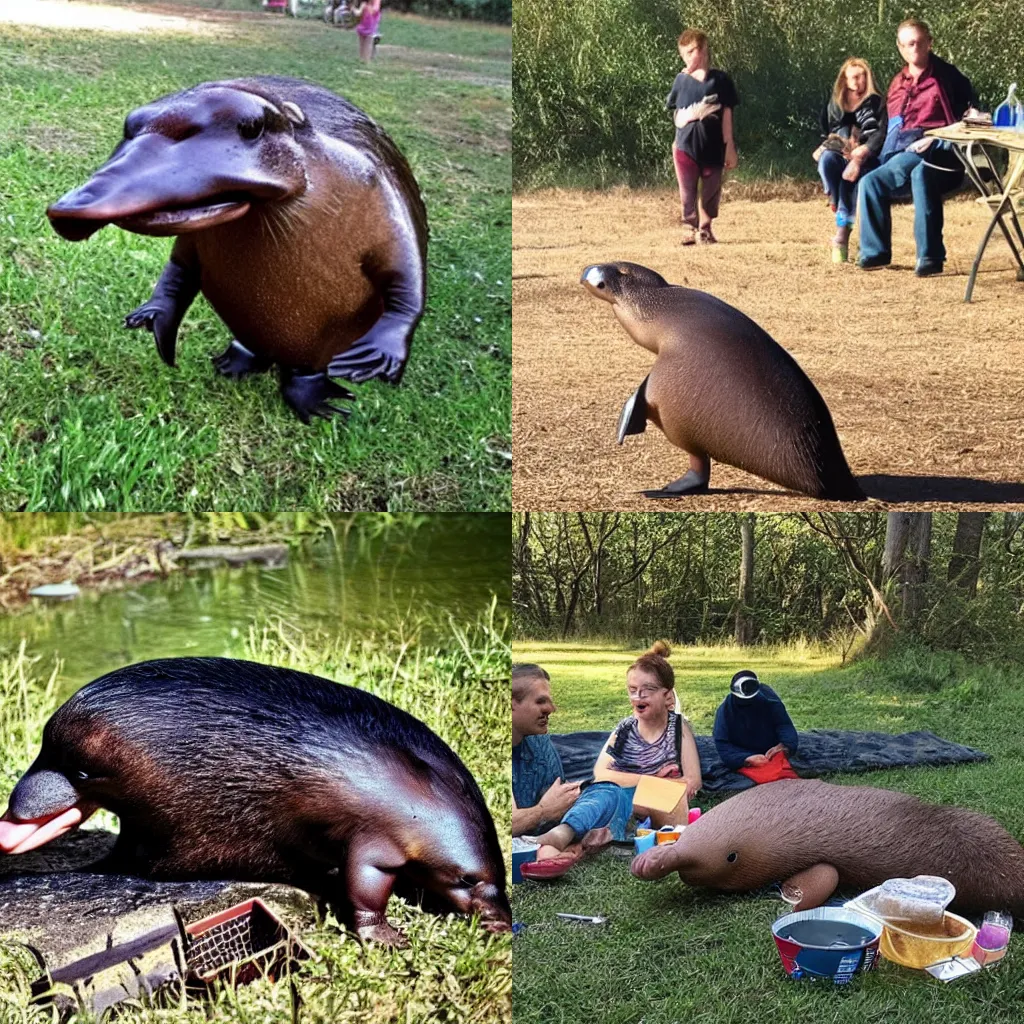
point(927, 93)
point(541, 800)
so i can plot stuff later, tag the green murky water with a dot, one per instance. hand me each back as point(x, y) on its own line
point(451, 566)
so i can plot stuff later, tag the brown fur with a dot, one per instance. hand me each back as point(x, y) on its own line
point(722, 388)
point(868, 835)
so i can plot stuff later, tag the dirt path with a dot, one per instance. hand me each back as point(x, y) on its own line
point(927, 393)
point(65, 15)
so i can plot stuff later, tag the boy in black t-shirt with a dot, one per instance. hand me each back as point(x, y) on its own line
point(702, 99)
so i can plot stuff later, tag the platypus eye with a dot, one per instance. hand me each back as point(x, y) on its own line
point(251, 128)
point(731, 857)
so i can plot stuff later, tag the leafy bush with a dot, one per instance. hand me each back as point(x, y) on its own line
point(590, 77)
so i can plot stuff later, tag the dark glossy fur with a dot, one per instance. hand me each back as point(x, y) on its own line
point(222, 768)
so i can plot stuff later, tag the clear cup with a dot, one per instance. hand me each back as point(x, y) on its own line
point(993, 938)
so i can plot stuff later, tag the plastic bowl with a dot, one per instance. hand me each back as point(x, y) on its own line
point(827, 942)
point(925, 946)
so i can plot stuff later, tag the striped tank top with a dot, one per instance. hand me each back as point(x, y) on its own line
point(632, 753)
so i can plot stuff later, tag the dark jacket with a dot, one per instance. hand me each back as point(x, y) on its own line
point(752, 725)
point(955, 84)
point(870, 120)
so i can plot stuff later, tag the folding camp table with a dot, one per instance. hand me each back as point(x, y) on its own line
point(976, 148)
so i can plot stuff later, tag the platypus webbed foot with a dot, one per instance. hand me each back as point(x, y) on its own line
point(693, 482)
point(374, 927)
point(314, 395)
point(236, 361)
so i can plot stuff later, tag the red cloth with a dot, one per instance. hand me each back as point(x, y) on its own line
point(922, 104)
point(778, 767)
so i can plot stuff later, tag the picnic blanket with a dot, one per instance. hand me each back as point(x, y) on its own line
point(821, 751)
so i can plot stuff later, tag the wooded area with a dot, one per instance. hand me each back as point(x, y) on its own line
point(590, 78)
point(949, 580)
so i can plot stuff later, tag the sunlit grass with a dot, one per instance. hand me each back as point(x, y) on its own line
point(92, 420)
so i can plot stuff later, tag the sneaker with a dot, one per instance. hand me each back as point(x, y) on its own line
point(840, 253)
point(689, 235)
point(873, 262)
point(706, 236)
point(928, 268)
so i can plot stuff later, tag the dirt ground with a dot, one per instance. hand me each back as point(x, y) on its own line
point(927, 392)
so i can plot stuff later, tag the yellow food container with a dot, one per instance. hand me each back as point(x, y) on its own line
point(927, 945)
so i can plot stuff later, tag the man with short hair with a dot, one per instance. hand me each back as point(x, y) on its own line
point(540, 797)
point(927, 93)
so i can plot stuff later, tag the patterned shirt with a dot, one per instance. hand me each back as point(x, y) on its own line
point(639, 757)
point(535, 766)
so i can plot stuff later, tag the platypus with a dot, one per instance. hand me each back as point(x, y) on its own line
point(297, 217)
point(228, 769)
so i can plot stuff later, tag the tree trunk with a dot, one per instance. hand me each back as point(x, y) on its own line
point(965, 561)
point(915, 574)
point(745, 594)
point(897, 530)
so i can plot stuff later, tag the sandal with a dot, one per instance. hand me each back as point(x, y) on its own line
point(689, 235)
point(706, 236)
point(553, 867)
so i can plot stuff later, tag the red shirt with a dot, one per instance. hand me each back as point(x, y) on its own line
point(922, 104)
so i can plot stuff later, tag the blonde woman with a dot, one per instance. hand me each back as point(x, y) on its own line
point(853, 126)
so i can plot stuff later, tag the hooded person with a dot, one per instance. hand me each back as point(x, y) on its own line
point(753, 731)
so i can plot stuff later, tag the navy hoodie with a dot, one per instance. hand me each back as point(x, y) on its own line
point(752, 725)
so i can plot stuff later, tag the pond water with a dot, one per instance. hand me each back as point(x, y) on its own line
point(451, 566)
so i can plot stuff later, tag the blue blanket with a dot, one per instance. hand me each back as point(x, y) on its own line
point(821, 751)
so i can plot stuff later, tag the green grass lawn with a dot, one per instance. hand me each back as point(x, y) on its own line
point(453, 971)
point(672, 953)
point(91, 418)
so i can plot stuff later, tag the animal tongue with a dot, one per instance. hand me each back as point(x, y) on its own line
point(22, 836)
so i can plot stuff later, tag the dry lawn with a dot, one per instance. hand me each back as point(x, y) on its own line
point(927, 392)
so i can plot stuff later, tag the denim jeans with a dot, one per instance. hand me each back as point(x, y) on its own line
point(841, 194)
point(601, 803)
point(908, 174)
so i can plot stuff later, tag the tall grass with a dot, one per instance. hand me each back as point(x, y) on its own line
point(590, 77)
point(453, 971)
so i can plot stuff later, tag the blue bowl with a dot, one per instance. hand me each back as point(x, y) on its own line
point(827, 942)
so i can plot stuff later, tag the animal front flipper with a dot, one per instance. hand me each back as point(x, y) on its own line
point(633, 418)
point(811, 886)
point(175, 291)
point(370, 877)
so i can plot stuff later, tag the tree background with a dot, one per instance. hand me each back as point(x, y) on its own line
point(863, 580)
point(590, 77)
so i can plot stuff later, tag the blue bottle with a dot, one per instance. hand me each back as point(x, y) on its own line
point(1007, 113)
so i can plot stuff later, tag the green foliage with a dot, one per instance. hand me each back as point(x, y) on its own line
point(590, 77)
point(637, 577)
point(483, 10)
point(92, 420)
